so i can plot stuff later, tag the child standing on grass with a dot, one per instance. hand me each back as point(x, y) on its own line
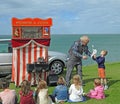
point(41, 94)
point(101, 67)
point(76, 90)
point(26, 94)
point(98, 91)
point(61, 91)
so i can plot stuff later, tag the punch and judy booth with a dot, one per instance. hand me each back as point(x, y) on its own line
point(30, 42)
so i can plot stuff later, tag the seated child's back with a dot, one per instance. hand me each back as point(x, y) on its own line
point(61, 91)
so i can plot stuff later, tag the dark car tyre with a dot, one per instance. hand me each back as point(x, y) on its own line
point(56, 67)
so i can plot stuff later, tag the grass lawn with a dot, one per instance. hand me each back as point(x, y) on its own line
point(90, 72)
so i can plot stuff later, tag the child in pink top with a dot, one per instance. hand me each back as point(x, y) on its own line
point(98, 91)
point(7, 96)
point(26, 94)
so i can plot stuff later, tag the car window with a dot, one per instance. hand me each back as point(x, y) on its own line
point(5, 48)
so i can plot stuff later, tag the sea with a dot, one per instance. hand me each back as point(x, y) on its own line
point(109, 42)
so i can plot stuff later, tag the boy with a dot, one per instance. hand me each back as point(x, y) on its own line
point(101, 67)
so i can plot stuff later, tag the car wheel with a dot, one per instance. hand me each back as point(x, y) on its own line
point(56, 67)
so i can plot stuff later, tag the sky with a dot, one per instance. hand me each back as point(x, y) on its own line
point(69, 16)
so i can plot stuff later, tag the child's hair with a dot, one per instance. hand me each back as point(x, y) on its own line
point(77, 79)
point(61, 81)
point(5, 83)
point(97, 82)
point(41, 85)
point(25, 87)
point(105, 52)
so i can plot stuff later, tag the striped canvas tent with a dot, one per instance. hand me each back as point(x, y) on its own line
point(27, 54)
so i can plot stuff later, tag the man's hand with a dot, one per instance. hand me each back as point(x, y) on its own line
point(84, 57)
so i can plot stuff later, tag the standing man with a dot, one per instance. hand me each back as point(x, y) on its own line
point(75, 57)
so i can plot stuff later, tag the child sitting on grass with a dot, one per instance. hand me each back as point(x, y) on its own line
point(26, 94)
point(61, 91)
point(7, 96)
point(97, 92)
point(76, 90)
point(41, 94)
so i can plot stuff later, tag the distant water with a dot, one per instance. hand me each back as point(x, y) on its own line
point(62, 43)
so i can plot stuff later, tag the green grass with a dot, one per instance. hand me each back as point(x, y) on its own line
point(90, 72)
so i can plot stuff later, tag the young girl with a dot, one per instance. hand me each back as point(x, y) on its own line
point(26, 94)
point(7, 96)
point(98, 91)
point(76, 90)
point(60, 92)
point(42, 93)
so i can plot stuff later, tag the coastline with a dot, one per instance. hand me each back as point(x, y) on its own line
point(62, 43)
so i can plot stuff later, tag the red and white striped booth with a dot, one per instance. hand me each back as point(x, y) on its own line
point(29, 43)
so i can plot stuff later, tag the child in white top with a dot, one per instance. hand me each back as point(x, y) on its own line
point(76, 90)
point(42, 93)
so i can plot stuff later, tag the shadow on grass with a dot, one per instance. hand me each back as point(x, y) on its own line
point(88, 80)
point(106, 95)
point(112, 82)
point(85, 99)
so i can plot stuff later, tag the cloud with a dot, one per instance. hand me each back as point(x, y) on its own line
point(78, 16)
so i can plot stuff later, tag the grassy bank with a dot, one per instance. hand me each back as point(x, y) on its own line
point(90, 72)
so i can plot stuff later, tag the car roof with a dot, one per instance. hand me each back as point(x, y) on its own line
point(5, 41)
